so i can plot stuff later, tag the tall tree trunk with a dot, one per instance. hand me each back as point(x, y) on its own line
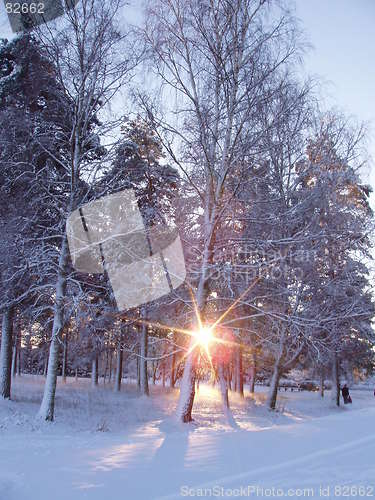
point(65, 358)
point(187, 385)
point(173, 370)
point(252, 376)
point(272, 395)
point(138, 368)
point(253, 371)
point(95, 370)
point(223, 385)
point(6, 353)
point(162, 366)
point(187, 388)
point(229, 374)
point(239, 371)
point(105, 366)
point(277, 370)
point(45, 364)
point(14, 356)
point(163, 374)
point(321, 388)
point(143, 361)
point(110, 366)
point(118, 376)
point(335, 393)
point(234, 367)
point(19, 371)
point(47, 407)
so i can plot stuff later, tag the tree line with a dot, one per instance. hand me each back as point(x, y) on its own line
point(201, 110)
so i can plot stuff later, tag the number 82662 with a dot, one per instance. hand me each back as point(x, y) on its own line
point(24, 8)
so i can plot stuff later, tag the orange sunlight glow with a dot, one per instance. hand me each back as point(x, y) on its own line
point(204, 337)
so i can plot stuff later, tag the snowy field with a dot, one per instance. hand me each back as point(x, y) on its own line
point(106, 446)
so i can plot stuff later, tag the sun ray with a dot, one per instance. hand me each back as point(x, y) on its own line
point(218, 340)
point(209, 358)
point(156, 324)
point(234, 303)
point(196, 309)
point(202, 340)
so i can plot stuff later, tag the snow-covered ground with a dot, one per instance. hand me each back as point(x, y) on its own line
point(106, 446)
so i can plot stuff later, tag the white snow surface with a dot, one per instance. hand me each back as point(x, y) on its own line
point(107, 446)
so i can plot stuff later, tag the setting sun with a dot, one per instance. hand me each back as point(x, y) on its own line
point(204, 336)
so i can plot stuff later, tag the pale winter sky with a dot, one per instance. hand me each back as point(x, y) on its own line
point(342, 34)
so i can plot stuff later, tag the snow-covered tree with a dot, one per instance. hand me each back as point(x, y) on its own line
point(218, 58)
point(85, 56)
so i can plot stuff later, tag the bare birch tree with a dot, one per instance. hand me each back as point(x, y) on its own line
point(220, 59)
point(91, 59)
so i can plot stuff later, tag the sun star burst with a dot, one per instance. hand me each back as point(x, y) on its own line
point(204, 335)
